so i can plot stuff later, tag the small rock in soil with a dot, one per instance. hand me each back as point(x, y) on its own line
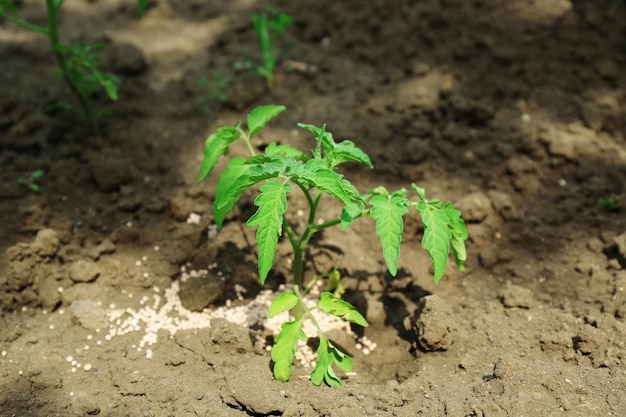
point(473, 112)
point(104, 247)
point(197, 293)
point(88, 314)
point(433, 324)
point(620, 241)
point(224, 332)
point(416, 150)
point(110, 171)
point(86, 403)
point(516, 296)
point(46, 243)
point(244, 392)
point(494, 255)
point(83, 271)
point(520, 164)
point(182, 207)
point(127, 59)
point(504, 205)
point(475, 207)
point(124, 234)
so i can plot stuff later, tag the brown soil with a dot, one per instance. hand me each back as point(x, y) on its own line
point(514, 110)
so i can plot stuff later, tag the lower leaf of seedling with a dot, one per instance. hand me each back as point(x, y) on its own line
point(282, 168)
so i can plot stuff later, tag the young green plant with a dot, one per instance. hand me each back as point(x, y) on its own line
point(77, 64)
point(269, 26)
point(281, 168)
point(32, 180)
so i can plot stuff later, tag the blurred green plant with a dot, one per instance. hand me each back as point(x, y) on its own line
point(609, 204)
point(77, 64)
point(269, 26)
point(31, 181)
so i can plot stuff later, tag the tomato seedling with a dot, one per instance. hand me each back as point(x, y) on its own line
point(77, 64)
point(32, 180)
point(281, 168)
point(269, 26)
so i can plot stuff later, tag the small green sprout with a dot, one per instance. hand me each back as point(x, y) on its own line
point(279, 170)
point(77, 64)
point(211, 91)
point(31, 181)
point(609, 204)
point(269, 26)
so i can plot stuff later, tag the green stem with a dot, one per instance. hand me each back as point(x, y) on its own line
point(334, 222)
point(39, 29)
point(53, 35)
point(262, 32)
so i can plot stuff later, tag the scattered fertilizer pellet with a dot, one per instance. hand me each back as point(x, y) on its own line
point(86, 347)
point(156, 248)
point(73, 369)
point(89, 337)
point(24, 309)
point(20, 372)
point(4, 353)
point(167, 313)
point(193, 218)
point(87, 367)
point(71, 393)
point(69, 359)
point(358, 346)
point(129, 224)
point(51, 327)
point(366, 351)
point(138, 263)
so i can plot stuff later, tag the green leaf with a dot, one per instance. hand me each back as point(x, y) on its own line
point(457, 227)
point(437, 236)
point(330, 182)
point(340, 308)
point(420, 191)
point(324, 139)
point(284, 302)
point(141, 7)
point(387, 211)
point(233, 182)
point(272, 203)
point(349, 213)
point(285, 150)
point(347, 151)
point(261, 115)
point(443, 227)
point(327, 355)
point(109, 86)
point(9, 6)
point(284, 348)
point(217, 146)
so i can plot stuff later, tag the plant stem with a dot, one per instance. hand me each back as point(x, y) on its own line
point(265, 44)
point(53, 35)
point(39, 29)
point(334, 222)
